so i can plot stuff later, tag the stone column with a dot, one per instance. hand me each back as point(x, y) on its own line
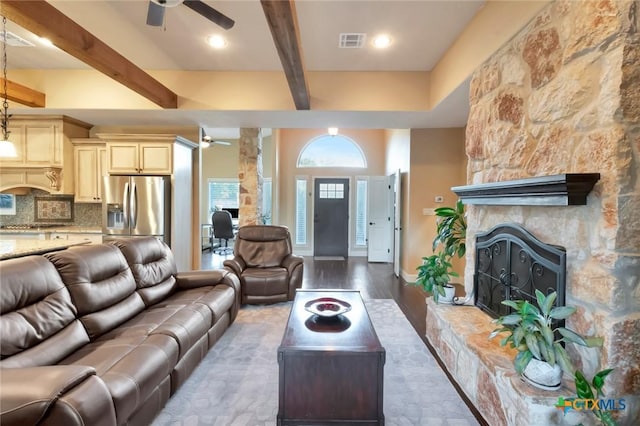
point(250, 176)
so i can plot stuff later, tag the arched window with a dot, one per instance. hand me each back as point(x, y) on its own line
point(332, 151)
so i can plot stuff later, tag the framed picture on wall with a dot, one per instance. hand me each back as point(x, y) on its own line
point(7, 204)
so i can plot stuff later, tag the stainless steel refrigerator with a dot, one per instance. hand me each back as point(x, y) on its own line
point(134, 206)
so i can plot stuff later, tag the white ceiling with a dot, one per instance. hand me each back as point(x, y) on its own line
point(421, 30)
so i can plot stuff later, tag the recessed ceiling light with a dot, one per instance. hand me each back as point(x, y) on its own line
point(217, 41)
point(382, 41)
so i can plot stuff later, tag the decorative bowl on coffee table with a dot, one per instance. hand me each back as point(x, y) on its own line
point(327, 307)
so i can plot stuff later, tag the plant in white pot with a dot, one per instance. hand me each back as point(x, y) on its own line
point(434, 276)
point(541, 358)
point(435, 272)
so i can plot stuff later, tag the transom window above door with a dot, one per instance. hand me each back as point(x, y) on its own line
point(332, 151)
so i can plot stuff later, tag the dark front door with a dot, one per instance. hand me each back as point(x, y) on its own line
point(331, 217)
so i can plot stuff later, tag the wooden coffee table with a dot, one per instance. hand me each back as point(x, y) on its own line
point(331, 370)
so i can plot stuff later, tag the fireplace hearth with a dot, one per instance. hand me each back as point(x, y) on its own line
point(512, 264)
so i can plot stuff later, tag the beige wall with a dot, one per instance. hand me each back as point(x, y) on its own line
point(291, 142)
point(437, 163)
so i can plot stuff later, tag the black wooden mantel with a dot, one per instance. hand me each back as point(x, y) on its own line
point(570, 189)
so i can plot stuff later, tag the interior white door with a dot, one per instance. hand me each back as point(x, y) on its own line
point(397, 215)
point(380, 223)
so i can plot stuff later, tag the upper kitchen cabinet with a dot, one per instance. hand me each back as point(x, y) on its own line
point(147, 158)
point(45, 153)
point(90, 164)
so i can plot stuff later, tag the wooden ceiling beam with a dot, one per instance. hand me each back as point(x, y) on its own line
point(44, 20)
point(23, 94)
point(283, 24)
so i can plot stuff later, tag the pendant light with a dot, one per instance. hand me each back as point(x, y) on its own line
point(7, 148)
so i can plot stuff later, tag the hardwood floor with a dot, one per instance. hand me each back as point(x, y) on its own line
point(375, 281)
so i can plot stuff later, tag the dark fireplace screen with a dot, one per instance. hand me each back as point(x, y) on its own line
point(511, 264)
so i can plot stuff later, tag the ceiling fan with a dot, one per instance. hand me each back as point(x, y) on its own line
point(207, 141)
point(155, 13)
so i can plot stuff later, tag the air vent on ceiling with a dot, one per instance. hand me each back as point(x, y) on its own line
point(352, 40)
point(14, 40)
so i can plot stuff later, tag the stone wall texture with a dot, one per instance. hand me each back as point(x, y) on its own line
point(563, 96)
point(250, 176)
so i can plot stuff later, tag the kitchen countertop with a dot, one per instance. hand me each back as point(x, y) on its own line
point(64, 229)
point(18, 248)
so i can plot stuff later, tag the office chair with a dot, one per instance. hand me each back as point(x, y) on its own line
point(222, 230)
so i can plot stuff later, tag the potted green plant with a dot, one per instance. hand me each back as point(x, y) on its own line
point(435, 272)
point(541, 357)
point(434, 275)
point(451, 231)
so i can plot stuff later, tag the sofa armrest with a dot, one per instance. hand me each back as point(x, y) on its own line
point(195, 279)
point(28, 393)
point(237, 265)
point(213, 277)
point(291, 262)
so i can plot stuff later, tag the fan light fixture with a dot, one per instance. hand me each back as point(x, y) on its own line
point(7, 148)
point(333, 131)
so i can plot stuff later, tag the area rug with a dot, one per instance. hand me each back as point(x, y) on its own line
point(237, 382)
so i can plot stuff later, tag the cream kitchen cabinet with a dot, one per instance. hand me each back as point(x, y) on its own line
point(45, 153)
point(150, 158)
point(90, 164)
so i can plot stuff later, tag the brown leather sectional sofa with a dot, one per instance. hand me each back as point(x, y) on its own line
point(104, 334)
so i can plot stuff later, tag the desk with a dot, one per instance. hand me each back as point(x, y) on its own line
point(205, 234)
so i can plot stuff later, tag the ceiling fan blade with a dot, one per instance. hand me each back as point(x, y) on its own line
point(155, 14)
point(210, 13)
point(225, 143)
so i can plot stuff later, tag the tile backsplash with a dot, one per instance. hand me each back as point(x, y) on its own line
point(84, 214)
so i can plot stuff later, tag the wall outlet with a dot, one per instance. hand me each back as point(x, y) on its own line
point(428, 212)
point(439, 199)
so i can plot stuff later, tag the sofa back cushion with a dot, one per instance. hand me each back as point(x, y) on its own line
point(101, 286)
point(263, 246)
point(152, 265)
point(38, 322)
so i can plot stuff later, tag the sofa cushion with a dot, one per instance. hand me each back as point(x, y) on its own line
point(218, 299)
point(36, 313)
point(265, 281)
point(131, 367)
point(152, 266)
point(101, 285)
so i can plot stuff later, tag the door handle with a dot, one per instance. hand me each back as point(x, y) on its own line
point(134, 206)
point(125, 205)
point(372, 223)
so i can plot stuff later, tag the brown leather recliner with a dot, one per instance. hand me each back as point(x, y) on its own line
point(263, 260)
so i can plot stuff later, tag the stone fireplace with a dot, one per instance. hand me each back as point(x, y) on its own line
point(563, 96)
